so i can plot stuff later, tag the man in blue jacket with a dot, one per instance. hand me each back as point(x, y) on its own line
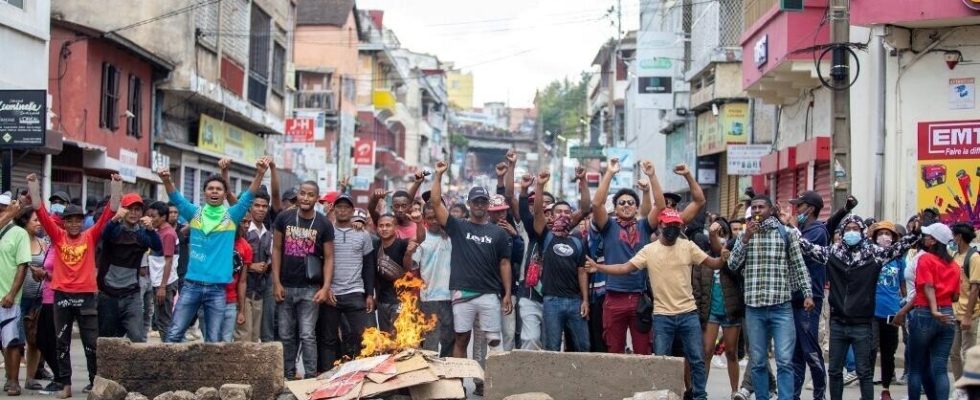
point(808, 352)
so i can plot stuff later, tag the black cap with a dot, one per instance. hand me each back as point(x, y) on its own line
point(477, 192)
point(72, 211)
point(344, 197)
point(60, 196)
point(673, 196)
point(289, 194)
point(426, 195)
point(809, 197)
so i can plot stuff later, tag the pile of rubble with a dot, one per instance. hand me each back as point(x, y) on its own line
point(651, 395)
point(422, 374)
point(107, 389)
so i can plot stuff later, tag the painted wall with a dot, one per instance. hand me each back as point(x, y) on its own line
point(459, 86)
point(786, 32)
point(24, 34)
point(874, 12)
point(76, 96)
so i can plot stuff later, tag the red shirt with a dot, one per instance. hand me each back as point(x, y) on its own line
point(244, 250)
point(945, 277)
point(74, 261)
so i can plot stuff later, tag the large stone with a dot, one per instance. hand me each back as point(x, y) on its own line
point(234, 391)
point(656, 395)
point(165, 396)
point(106, 389)
point(136, 396)
point(207, 393)
point(140, 366)
point(184, 395)
point(580, 375)
point(529, 396)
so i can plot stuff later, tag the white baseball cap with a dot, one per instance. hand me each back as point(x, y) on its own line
point(939, 231)
point(5, 198)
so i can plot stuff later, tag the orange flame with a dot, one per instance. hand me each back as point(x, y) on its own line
point(411, 325)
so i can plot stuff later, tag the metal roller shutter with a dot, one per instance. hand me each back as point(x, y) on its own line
point(822, 183)
point(725, 187)
point(785, 185)
point(801, 179)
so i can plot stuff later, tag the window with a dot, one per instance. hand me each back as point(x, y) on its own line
point(278, 68)
point(190, 185)
point(109, 115)
point(16, 3)
point(133, 120)
point(259, 50)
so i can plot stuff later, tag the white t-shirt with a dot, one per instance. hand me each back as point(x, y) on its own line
point(157, 263)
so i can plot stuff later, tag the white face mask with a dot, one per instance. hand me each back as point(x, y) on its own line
point(884, 241)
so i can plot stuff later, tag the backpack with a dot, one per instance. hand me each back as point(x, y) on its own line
point(535, 263)
point(970, 252)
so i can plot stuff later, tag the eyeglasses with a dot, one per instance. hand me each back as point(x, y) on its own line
point(626, 203)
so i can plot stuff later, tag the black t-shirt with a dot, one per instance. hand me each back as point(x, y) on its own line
point(384, 288)
point(477, 251)
point(560, 263)
point(300, 237)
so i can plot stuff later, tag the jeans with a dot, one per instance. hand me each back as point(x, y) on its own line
point(270, 329)
point(47, 340)
point(351, 307)
point(146, 291)
point(251, 330)
point(619, 314)
point(931, 341)
point(508, 327)
point(193, 297)
point(773, 323)
point(687, 327)
point(387, 312)
point(858, 336)
point(808, 352)
point(298, 314)
point(71, 307)
point(597, 345)
point(163, 313)
point(747, 376)
point(441, 338)
point(229, 323)
point(122, 316)
point(531, 324)
point(886, 343)
point(560, 314)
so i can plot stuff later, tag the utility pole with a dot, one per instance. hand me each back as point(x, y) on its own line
point(840, 101)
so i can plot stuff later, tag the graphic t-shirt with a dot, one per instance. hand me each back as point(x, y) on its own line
point(888, 292)
point(74, 257)
point(717, 296)
point(434, 258)
point(476, 254)
point(561, 261)
point(617, 251)
point(157, 259)
point(406, 232)
point(15, 250)
point(669, 268)
point(384, 288)
point(300, 237)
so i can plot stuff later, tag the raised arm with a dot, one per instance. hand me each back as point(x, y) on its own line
point(539, 219)
point(615, 269)
point(834, 221)
point(442, 214)
point(414, 190)
point(584, 198)
point(115, 191)
point(646, 200)
point(599, 201)
point(274, 187)
point(509, 184)
point(230, 196)
point(659, 201)
point(373, 203)
point(524, 213)
point(697, 195)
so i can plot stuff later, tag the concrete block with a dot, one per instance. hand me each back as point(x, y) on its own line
point(529, 396)
point(233, 391)
point(581, 375)
point(140, 366)
point(136, 396)
point(206, 393)
point(106, 389)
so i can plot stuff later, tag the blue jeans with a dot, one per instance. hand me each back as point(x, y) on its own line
point(808, 351)
point(563, 314)
point(931, 341)
point(229, 323)
point(762, 325)
point(194, 296)
point(687, 327)
point(297, 329)
point(846, 337)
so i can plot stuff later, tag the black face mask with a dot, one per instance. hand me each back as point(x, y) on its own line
point(671, 233)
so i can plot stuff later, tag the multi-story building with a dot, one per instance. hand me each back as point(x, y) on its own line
point(918, 128)
point(25, 32)
point(459, 86)
point(228, 90)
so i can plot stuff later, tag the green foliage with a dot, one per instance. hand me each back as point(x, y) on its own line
point(561, 105)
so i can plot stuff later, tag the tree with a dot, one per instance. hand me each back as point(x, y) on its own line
point(561, 105)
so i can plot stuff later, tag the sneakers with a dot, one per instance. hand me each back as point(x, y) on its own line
point(33, 385)
point(960, 394)
point(809, 385)
point(741, 394)
point(886, 395)
point(902, 380)
point(154, 334)
point(43, 374)
point(850, 378)
point(87, 388)
point(52, 388)
point(719, 362)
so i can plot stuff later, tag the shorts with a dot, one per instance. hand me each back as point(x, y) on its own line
point(11, 327)
point(724, 321)
point(486, 307)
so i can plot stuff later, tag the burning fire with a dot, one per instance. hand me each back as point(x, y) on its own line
point(411, 325)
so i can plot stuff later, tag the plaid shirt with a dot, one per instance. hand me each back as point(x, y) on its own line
point(771, 270)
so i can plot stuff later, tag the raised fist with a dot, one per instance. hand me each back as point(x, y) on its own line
point(224, 163)
point(501, 169)
point(543, 178)
point(441, 167)
point(648, 168)
point(511, 156)
point(613, 165)
point(580, 173)
point(681, 169)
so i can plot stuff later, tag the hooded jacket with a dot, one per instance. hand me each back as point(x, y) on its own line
point(853, 271)
point(816, 233)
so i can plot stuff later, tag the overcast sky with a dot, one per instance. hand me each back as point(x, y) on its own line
point(511, 46)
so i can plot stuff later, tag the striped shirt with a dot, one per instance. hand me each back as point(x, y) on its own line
point(349, 248)
point(772, 268)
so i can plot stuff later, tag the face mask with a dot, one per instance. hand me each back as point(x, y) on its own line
point(57, 208)
point(884, 241)
point(671, 233)
point(801, 219)
point(852, 238)
point(953, 247)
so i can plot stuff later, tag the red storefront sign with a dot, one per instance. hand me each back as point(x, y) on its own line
point(949, 140)
point(363, 151)
point(300, 130)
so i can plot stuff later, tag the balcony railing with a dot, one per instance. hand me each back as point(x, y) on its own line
point(753, 10)
point(316, 100)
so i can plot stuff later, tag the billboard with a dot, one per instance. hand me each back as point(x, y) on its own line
point(948, 173)
point(23, 118)
point(659, 56)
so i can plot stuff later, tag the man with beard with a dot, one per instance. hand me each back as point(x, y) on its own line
point(401, 207)
point(480, 266)
point(670, 259)
point(623, 236)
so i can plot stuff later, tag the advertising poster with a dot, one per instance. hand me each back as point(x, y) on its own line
point(962, 94)
point(226, 139)
point(23, 118)
point(949, 170)
point(729, 126)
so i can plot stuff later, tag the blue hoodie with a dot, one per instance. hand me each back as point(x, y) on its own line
point(815, 232)
point(210, 255)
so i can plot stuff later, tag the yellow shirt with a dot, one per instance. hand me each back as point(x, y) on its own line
point(669, 269)
point(960, 307)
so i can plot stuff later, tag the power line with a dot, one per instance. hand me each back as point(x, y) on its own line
point(166, 15)
point(579, 12)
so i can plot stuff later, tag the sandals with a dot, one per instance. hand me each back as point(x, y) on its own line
point(13, 389)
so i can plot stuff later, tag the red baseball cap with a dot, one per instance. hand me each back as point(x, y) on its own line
point(670, 216)
point(129, 199)
point(329, 198)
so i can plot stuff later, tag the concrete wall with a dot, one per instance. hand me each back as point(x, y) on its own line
point(459, 85)
point(24, 34)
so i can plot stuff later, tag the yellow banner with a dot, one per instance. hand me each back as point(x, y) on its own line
point(229, 140)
